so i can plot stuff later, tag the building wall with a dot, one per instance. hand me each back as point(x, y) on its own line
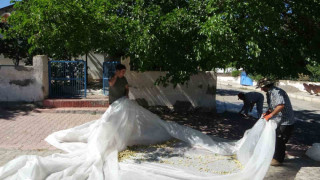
point(229, 79)
point(95, 65)
point(296, 84)
point(200, 91)
point(24, 83)
point(7, 61)
point(30, 83)
point(7, 9)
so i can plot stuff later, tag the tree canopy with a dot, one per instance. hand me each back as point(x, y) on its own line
point(14, 48)
point(181, 37)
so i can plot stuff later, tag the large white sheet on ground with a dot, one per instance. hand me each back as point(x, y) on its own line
point(92, 149)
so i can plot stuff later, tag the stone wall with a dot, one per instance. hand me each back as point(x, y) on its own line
point(24, 83)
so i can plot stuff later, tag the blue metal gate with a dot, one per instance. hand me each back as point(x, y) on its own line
point(245, 80)
point(67, 79)
point(109, 69)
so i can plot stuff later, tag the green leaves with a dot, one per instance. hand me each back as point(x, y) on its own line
point(15, 47)
point(314, 71)
point(271, 38)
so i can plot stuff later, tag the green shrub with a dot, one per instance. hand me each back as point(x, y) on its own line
point(315, 72)
point(235, 73)
point(255, 77)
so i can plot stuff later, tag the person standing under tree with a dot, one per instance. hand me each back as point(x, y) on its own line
point(280, 110)
point(249, 100)
point(118, 84)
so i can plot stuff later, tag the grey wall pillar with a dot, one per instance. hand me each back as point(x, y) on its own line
point(40, 65)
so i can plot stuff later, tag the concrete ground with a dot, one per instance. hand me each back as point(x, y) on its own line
point(307, 112)
point(23, 130)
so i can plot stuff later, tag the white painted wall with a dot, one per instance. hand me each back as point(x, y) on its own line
point(226, 70)
point(31, 84)
point(24, 83)
point(200, 91)
point(296, 84)
point(230, 79)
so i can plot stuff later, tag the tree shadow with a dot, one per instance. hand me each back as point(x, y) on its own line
point(232, 126)
point(227, 92)
point(308, 116)
point(12, 110)
point(290, 168)
point(306, 130)
point(228, 125)
point(95, 85)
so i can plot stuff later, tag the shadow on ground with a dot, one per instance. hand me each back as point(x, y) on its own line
point(308, 116)
point(227, 92)
point(290, 168)
point(230, 125)
point(95, 85)
point(227, 125)
point(306, 130)
point(10, 111)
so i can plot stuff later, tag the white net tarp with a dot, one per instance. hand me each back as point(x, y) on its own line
point(93, 148)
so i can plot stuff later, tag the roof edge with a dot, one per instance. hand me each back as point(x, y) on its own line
point(7, 7)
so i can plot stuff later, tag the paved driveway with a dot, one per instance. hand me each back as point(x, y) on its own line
point(24, 131)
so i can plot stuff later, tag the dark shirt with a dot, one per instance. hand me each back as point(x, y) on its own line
point(251, 98)
point(275, 97)
point(118, 90)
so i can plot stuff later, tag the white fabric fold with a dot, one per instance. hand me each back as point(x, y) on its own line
point(92, 149)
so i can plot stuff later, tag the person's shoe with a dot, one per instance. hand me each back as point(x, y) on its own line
point(275, 162)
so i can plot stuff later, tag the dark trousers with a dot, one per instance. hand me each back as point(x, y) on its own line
point(283, 134)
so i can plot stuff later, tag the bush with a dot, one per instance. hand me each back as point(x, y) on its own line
point(315, 72)
point(255, 77)
point(235, 73)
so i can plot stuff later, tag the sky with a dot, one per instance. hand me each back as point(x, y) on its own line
point(4, 3)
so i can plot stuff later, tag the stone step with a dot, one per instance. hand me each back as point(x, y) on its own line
point(95, 92)
point(56, 103)
point(73, 110)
